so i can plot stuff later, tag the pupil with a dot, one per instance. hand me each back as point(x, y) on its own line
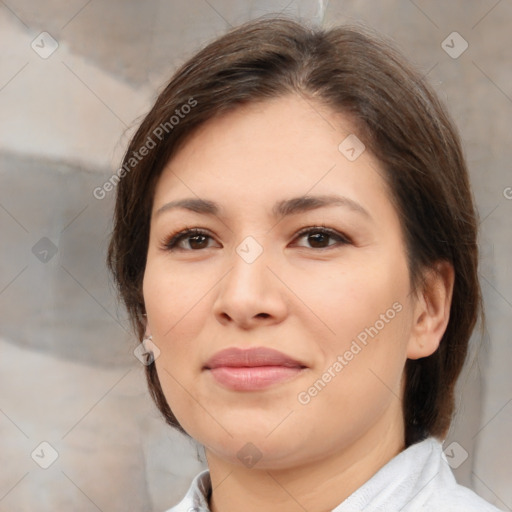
point(318, 238)
point(194, 239)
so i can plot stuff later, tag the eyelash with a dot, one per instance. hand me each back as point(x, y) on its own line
point(172, 241)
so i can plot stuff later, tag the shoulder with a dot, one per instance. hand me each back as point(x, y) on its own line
point(460, 498)
point(454, 497)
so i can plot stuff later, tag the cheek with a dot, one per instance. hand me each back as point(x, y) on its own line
point(175, 305)
point(171, 297)
point(367, 312)
point(362, 295)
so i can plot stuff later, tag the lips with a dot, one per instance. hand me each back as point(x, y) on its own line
point(252, 369)
point(260, 356)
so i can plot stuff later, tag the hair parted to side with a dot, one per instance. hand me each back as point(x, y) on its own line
point(400, 120)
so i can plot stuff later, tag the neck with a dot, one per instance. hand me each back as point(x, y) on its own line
point(318, 485)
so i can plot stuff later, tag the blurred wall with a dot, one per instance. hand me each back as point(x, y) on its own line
point(75, 77)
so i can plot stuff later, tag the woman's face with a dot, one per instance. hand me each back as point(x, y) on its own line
point(335, 300)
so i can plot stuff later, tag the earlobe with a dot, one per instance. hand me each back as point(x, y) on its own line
point(432, 310)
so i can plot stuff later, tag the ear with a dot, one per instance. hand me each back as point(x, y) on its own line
point(431, 311)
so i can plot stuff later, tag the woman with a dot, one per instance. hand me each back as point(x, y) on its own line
point(295, 240)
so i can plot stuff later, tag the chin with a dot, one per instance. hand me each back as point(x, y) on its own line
point(252, 446)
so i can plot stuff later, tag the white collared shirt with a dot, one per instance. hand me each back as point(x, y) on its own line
point(417, 479)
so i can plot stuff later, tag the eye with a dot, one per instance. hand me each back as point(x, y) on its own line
point(195, 238)
point(319, 236)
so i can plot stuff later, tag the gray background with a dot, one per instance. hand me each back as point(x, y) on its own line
point(68, 375)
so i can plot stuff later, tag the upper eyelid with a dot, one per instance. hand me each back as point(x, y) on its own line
point(326, 229)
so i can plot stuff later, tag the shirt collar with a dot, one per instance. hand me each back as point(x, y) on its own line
point(405, 482)
point(198, 495)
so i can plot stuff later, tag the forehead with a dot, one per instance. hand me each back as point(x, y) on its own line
point(262, 152)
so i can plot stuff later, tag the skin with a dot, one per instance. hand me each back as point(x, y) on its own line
point(307, 298)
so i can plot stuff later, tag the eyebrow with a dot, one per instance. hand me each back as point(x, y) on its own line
point(283, 208)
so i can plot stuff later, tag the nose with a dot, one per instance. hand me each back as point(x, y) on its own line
point(250, 294)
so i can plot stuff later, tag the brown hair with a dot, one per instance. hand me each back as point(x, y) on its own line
point(401, 121)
